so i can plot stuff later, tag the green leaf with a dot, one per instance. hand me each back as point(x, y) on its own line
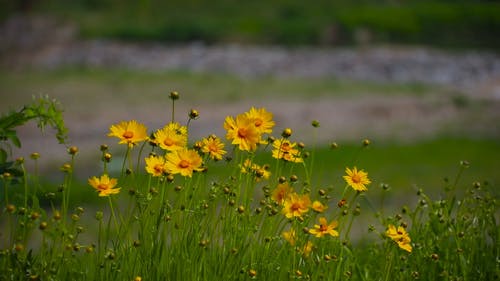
point(3, 156)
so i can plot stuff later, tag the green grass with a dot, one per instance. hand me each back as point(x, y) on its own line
point(122, 86)
point(455, 24)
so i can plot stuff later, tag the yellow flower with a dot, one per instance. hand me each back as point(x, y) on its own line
point(171, 137)
point(400, 236)
point(242, 132)
point(284, 149)
point(295, 205)
point(307, 249)
point(262, 119)
point(130, 132)
point(290, 236)
point(324, 228)
point(155, 165)
point(281, 192)
point(319, 207)
point(183, 162)
point(213, 146)
point(104, 185)
point(260, 172)
point(357, 179)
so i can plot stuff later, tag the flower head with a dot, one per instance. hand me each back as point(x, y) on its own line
point(242, 132)
point(104, 185)
point(213, 146)
point(307, 249)
point(285, 149)
point(296, 205)
point(357, 179)
point(171, 137)
point(323, 228)
point(262, 119)
point(319, 207)
point(281, 192)
point(129, 132)
point(290, 236)
point(156, 165)
point(400, 236)
point(183, 162)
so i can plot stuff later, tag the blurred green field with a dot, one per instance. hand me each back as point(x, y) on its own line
point(454, 24)
point(404, 165)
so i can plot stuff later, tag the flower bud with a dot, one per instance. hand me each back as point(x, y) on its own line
point(73, 150)
point(174, 95)
point(286, 133)
point(193, 114)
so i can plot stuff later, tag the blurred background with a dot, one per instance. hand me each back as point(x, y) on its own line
point(420, 79)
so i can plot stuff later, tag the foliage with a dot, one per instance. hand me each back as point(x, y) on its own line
point(46, 112)
point(441, 23)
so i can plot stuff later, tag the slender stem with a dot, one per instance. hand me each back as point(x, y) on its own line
point(127, 155)
point(113, 212)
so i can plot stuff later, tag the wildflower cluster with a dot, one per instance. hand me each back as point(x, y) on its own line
point(265, 216)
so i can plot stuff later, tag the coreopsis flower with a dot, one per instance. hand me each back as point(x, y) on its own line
point(296, 205)
point(242, 132)
point(281, 192)
point(284, 149)
point(263, 120)
point(323, 228)
point(318, 207)
point(290, 236)
point(104, 185)
point(307, 249)
point(213, 146)
point(184, 162)
point(357, 179)
point(171, 137)
point(400, 236)
point(156, 165)
point(260, 172)
point(129, 132)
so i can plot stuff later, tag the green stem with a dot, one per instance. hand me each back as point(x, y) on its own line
point(388, 267)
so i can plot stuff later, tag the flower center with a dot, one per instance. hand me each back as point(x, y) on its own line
point(168, 142)
point(102, 186)
point(356, 178)
point(128, 135)
point(184, 164)
point(158, 168)
point(285, 147)
point(212, 147)
point(242, 132)
point(258, 122)
point(323, 228)
point(295, 206)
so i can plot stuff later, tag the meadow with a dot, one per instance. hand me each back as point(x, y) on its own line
point(251, 203)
